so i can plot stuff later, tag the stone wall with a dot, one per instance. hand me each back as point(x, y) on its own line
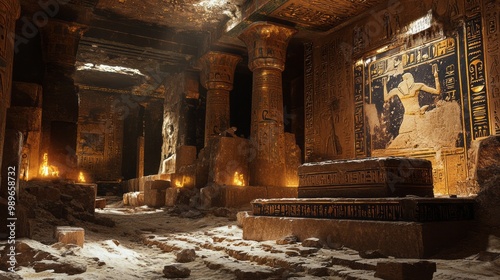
point(412, 51)
point(182, 124)
point(100, 135)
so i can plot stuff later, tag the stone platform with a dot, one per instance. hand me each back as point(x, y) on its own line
point(396, 238)
point(371, 177)
point(412, 209)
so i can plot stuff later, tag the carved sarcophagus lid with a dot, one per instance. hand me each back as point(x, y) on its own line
point(370, 177)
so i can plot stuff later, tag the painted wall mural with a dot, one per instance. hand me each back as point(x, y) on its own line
point(413, 99)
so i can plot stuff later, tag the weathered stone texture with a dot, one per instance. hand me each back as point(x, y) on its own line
point(486, 172)
point(70, 235)
point(422, 270)
point(398, 239)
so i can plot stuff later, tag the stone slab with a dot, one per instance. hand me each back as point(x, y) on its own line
point(398, 239)
point(371, 177)
point(382, 209)
point(70, 235)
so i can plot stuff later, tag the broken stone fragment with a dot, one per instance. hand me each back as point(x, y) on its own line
point(312, 242)
point(176, 271)
point(287, 240)
point(70, 268)
point(186, 255)
point(372, 254)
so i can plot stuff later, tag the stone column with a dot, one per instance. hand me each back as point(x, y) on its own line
point(267, 43)
point(60, 41)
point(9, 13)
point(217, 77)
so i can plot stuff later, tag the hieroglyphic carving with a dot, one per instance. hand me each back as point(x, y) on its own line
point(217, 77)
point(415, 210)
point(491, 11)
point(267, 44)
point(297, 12)
point(308, 100)
point(363, 177)
point(456, 171)
point(359, 116)
point(472, 7)
point(476, 75)
point(320, 15)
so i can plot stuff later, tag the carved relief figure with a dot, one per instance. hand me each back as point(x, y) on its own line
point(327, 128)
point(408, 91)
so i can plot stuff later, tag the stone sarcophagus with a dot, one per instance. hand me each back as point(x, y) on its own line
point(371, 177)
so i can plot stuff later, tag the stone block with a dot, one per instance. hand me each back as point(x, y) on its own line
point(421, 270)
point(100, 203)
point(398, 239)
point(70, 235)
point(155, 197)
point(134, 199)
point(156, 185)
point(171, 195)
point(371, 177)
point(85, 194)
point(185, 177)
point(185, 155)
point(154, 192)
point(229, 164)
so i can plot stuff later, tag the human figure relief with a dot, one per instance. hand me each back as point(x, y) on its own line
point(408, 91)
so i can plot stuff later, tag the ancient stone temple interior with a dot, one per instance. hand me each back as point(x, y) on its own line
point(250, 139)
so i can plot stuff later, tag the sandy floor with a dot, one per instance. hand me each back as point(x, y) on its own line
point(144, 240)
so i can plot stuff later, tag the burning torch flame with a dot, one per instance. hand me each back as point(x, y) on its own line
point(81, 177)
point(238, 179)
point(47, 170)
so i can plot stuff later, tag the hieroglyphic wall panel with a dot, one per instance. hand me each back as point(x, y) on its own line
point(100, 135)
point(476, 75)
point(308, 101)
point(491, 23)
point(414, 98)
point(446, 117)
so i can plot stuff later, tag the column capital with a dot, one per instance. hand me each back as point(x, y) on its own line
point(267, 43)
point(60, 41)
point(12, 7)
point(218, 70)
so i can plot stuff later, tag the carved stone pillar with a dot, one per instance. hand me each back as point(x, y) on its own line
point(267, 44)
point(9, 13)
point(60, 41)
point(217, 77)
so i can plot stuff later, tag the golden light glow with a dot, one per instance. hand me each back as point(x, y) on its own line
point(180, 183)
point(47, 170)
point(81, 177)
point(238, 179)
